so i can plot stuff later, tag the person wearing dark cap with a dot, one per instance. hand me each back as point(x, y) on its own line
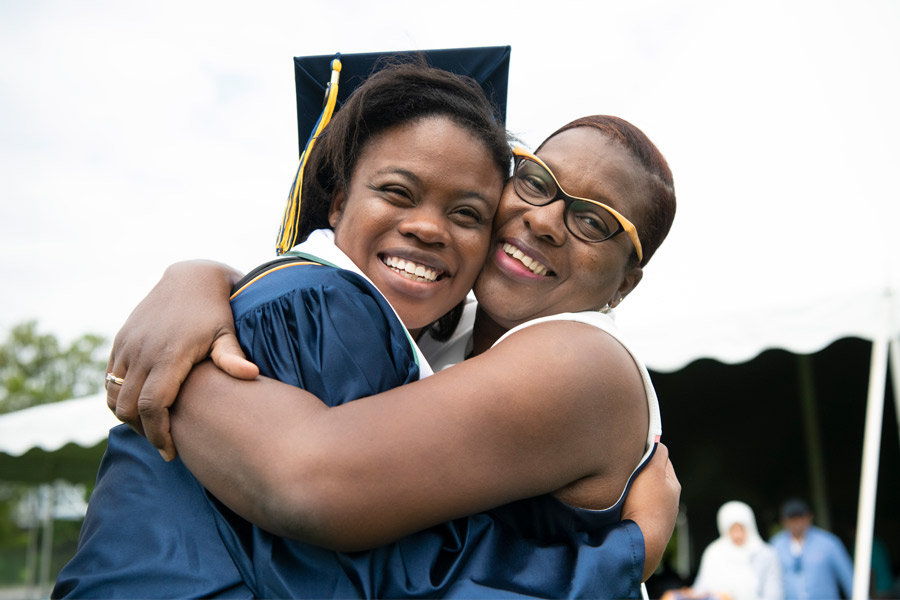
point(814, 562)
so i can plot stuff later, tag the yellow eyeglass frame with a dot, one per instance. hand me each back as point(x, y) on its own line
point(624, 224)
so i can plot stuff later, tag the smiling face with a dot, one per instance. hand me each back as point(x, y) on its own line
point(738, 534)
point(536, 266)
point(416, 218)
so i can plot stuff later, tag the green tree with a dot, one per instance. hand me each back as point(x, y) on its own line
point(36, 369)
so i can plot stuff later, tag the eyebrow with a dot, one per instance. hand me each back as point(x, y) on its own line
point(603, 199)
point(418, 181)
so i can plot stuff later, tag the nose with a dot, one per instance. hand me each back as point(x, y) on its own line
point(547, 222)
point(426, 224)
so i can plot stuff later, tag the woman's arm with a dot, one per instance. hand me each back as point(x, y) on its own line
point(191, 303)
point(184, 319)
point(512, 423)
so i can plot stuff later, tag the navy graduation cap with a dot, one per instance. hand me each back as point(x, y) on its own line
point(335, 77)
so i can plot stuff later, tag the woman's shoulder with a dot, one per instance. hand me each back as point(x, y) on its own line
point(282, 277)
point(585, 367)
point(592, 325)
point(581, 335)
point(590, 317)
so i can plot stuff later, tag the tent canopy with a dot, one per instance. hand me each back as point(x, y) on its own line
point(785, 237)
point(82, 421)
point(62, 440)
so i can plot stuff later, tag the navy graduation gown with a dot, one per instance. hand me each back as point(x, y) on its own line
point(538, 547)
point(299, 323)
point(150, 530)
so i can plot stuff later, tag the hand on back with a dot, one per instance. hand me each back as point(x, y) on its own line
point(652, 503)
point(185, 319)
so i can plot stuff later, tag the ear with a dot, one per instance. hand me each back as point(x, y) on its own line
point(336, 210)
point(633, 276)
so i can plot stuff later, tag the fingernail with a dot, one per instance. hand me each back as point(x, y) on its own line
point(165, 455)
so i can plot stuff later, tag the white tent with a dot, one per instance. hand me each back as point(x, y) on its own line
point(83, 421)
point(793, 247)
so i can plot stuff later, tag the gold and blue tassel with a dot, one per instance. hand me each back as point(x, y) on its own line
point(287, 234)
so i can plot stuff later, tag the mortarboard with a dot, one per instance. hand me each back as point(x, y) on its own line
point(334, 77)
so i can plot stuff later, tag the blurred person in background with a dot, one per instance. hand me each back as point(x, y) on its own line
point(738, 565)
point(814, 562)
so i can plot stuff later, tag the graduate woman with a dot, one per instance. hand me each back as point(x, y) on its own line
point(538, 436)
point(151, 531)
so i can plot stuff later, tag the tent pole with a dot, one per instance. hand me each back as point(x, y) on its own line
point(868, 480)
point(683, 544)
point(895, 376)
point(31, 553)
point(48, 500)
point(814, 454)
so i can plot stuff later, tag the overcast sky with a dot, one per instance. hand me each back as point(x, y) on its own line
point(136, 134)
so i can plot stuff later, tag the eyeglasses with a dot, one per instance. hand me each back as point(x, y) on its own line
point(588, 220)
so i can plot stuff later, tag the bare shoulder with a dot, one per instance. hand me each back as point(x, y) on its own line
point(603, 375)
point(581, 350)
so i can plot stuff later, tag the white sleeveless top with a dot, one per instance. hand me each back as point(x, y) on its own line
point(446, 354)
point(607, 324)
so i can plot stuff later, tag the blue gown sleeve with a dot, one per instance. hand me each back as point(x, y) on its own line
point(325, 330)
point(486, 555)
point(606, 562)
point(149, 532)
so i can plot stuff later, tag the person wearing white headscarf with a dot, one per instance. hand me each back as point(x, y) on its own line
point(739, 565)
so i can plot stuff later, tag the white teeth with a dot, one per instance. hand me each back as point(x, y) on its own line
point(411, 270)
point(533, 265)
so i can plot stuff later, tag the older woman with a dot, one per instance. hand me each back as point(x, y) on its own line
point(738, 565)
point(539, 436)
